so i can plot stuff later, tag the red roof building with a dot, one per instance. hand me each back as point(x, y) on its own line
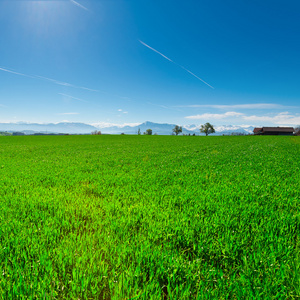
point(257, 130)
point(274, 131)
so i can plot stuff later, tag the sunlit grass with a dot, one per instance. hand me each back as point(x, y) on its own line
point(138, 217)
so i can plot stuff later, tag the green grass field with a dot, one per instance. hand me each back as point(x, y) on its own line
point(149, 217)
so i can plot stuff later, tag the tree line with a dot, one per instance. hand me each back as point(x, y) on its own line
point(207, 128)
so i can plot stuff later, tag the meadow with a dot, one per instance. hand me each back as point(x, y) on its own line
point(149, 217)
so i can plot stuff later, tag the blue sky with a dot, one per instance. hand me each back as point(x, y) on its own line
point(130, 61)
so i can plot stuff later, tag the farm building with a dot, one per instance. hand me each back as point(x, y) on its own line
point(274, 131)
point(257, 130)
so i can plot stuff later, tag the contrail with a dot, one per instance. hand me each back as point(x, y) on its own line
point(55, 81)
point(163, 106)
point(79, 5)
point(185, 69)
point(85, 88)
point(16, 73)
point(156, 51)
point(67, 84)
point(48, 79)
point(65, 95)
point(196, 76)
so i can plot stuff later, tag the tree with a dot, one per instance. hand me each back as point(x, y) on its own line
point(96, 132)
point(139, 131)
point(207, 128)
point(149, 132)
point(297, 130)
point(177, 129)
point(2, 133)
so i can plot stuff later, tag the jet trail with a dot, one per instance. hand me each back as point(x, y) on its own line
point(182, 67)
point(16, 73)
point(196, 76)
point(78, 4)
point(156, 51)
point(48, 79)
point(71, 97)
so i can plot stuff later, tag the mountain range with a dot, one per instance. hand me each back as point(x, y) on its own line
point(82, 128)
point(166, 129)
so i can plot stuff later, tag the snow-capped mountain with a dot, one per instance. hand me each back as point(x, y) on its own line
point(166, 129)
point(130, 128)
point(64, 127)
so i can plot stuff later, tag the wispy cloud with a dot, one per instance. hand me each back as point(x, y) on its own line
point(159, 105)
point(71, 97)
point(107, 124)
point(79, 5)
point(185, 69)
point(241, 106)
point(215, 116)
point(85, 88)
point(46, 78)
point(163, 106)
point(121, 110)
point(69, 113)
point(282, 118)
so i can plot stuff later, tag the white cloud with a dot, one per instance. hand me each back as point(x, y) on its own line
point(215, 116)
point(233, 114)
point(121, 110)
point(241, 106)
point(282, 118)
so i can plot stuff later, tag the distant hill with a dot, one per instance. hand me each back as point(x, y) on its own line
point(82, 128)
